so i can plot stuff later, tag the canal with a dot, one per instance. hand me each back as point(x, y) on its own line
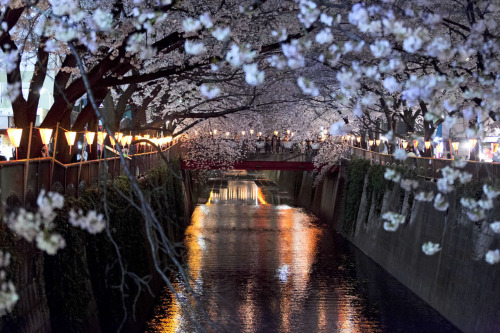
point(256, 263)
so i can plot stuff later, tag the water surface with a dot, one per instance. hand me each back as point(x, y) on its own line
point(258, 264)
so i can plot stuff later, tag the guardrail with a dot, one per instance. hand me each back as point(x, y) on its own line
point(17, 187)
point(429, 168)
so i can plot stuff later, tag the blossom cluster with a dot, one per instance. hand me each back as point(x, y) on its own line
point(393, 220)
point(39, 226)
point(8, 294)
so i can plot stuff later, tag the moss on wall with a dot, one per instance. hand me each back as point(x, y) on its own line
point(85, 275)
point(356, 172)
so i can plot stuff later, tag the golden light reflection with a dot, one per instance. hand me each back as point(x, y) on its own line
point(260, 196)
point(289, 244)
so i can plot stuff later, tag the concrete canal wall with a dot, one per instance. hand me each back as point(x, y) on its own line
point(457, 281)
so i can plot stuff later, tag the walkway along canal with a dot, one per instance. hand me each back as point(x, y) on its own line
point(258, 264)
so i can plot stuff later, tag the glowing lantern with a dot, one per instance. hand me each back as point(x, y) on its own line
point(439, 148)
point(288, 132)
point(101, 136)
point(370, 142)
point(358, 139)
point(377, 142)
point(89, 136)
point(45, 134)
point(15, 137)
point(128, 139)
point(251, 132)
point(495, 147)
point(427, 144)
point(169, 139)
point(118, 136)
point(215, 132)
point(243, 133)
point(415, 143)
point(70, 137)
point(275, 132)
point(123, 141)
point(473, 143)
point(260, 133)
point(455, 146)
point(405, 144)
point(227, 134)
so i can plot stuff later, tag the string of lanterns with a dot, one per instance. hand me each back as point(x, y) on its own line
point(15, 135)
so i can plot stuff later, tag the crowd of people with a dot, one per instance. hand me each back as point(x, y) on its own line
point(276, 144)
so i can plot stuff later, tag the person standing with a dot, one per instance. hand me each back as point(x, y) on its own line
point(278, 144)
point(273, 144)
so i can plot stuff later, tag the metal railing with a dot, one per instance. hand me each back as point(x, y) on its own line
point(429, 168)
point(21, 181)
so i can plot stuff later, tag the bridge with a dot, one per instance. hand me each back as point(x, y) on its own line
point(260, 161)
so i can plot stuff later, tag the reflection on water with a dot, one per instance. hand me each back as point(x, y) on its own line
point(257, 267)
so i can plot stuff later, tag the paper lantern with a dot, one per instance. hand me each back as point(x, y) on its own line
point(118, 136)
point(275, 132)
point(70, 137)
point(427, 144)
point(251, 132)
point(370, 142)
point(169, 139)
point(495, 147)
point(358, 139)
point(45, 134)
point(415, 143)
point(260, 133)
point(15, 137)
point(243, 133)
point(215, 132)
point(473, 143)
point(89, 137)
point(377, 142)
point(405, 144)
point(455, 146)
point(101, 136)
